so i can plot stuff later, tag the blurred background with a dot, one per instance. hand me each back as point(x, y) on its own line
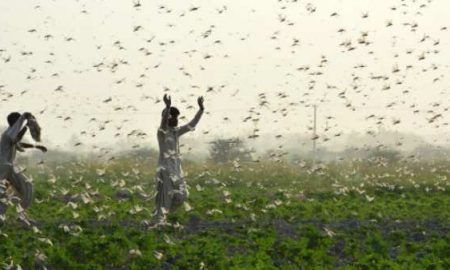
point(282, 79)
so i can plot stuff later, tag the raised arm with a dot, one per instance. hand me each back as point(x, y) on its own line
point(15, 130)
point(193, 123)
point(166, 112)
point(21, 133)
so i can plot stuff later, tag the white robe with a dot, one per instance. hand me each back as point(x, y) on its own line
point(170, 183)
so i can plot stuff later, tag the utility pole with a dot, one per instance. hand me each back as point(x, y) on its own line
point(314, 134)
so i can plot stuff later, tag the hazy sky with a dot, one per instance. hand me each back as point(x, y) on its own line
point(390, 59)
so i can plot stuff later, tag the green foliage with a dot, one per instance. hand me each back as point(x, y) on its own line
point(263, 216)
point(379, 156)
point(225, 150)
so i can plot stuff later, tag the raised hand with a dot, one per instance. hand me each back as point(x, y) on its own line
point(200, 103)
point(167, 100)
point(27, 115)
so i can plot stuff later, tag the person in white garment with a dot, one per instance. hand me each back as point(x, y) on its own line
point(10, 142)
point(171, 189)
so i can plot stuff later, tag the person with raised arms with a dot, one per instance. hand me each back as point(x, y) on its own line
point(171, 189)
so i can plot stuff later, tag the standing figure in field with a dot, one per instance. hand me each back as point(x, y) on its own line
point(170, 183)
point(10, 142)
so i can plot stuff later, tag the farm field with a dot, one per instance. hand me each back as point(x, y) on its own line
point(255, 216)
point(312, 135)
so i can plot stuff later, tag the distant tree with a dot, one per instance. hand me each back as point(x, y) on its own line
point(384, 155)
point(431, 152)
point(224, 150)
point(142, 153)
point(354, 153)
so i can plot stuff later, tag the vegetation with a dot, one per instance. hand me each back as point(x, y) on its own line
point(348, 215)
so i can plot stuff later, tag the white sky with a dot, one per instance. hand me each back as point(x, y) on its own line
point(250, 48)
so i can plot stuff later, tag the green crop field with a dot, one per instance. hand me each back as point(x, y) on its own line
point(255, 216)
point(312, 134)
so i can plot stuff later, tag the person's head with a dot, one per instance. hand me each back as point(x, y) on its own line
point(172, 121)
point(12, 118)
